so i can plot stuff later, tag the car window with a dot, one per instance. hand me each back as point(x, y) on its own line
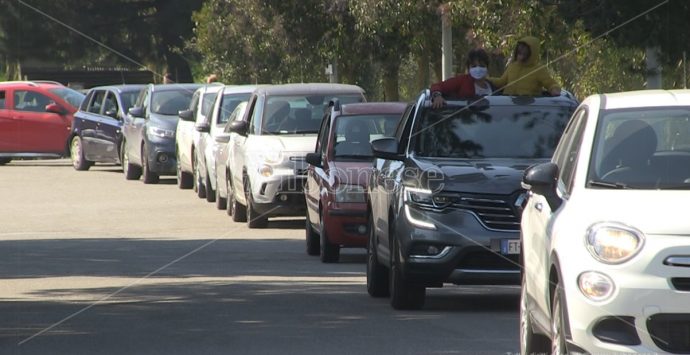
point(569, 161)
point(85, 103)
point(403, 128)
point(72, 97)
point(2, 100)
point(209, 99)
point(195, 101)
point(97, 102)
point(642, 148)
point(228, 104)
point(353, 134)
point(110, 105)
point(322, 140)
point(128, 98)
point(170, 102)
point(254, 115)
point(492, 132)
point(236, 115)
point(299, 114)
point(26, 100)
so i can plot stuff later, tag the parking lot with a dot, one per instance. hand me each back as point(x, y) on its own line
point(92, 263)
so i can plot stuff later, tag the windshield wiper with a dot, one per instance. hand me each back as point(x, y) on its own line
point(606, 184)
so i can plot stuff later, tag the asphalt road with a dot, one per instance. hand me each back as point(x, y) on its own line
point(93, 264)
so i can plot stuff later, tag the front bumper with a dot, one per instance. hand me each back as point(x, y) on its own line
point(467, 250)
point(161, 156)
point(346, 224)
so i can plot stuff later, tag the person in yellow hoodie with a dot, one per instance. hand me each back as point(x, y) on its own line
point(525, 76)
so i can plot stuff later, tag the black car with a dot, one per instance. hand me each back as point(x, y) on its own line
point(149, 131)
point(97, 126)
point(445, 194)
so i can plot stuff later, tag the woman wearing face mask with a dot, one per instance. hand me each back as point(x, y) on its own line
point(468, 85)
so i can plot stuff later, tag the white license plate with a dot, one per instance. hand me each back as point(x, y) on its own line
point(510, 246)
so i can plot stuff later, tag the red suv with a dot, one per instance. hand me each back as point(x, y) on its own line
point(338, 174)
point(35, 119)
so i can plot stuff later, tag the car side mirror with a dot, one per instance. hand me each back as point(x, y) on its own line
point(203, 127)
point(111, 113)
point(542, 179)
point(186, 115)
point(314, 159)
point(386, 148)
point(55, 108)
point(136, 112)
point(239, 127)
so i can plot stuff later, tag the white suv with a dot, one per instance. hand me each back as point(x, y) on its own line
point(266, 159)
point(606, 234)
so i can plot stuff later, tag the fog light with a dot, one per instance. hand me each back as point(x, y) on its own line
point(162, 158)
point(361, 229)
point(595, 286)
point(283, 198)
point(432, 250)
point(266, 170)
point(429, 251)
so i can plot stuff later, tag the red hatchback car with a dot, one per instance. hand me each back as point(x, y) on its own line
point(35, 119)
point(338, 175)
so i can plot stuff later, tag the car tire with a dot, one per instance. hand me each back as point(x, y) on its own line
point(198, 186)
point(210, 192)
point(4, 161)
point(313, 239)
point(185, 181)
point(76, 150)
point(234, 209)
point(558, 343)
point(377, 274)
point(530, 343)
point(330, 253)
point(404, 295)
point(254, 219)
point(221, 202)
point(149, 176)
point(131, 171)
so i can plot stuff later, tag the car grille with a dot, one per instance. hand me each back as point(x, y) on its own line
point(488, 260)
point(494, 211)
point(670, 332)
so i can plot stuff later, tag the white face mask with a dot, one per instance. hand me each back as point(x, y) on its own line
point(478, 72)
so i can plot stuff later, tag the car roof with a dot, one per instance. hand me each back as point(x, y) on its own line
point(241, 89)
point(36, 83)
point(373, 108)
point(501, 100)
point(120, 88)
point(645, 98)
point(310, 88)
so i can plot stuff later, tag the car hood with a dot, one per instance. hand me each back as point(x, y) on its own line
point(163, 121)
point(486, 176)
point(650, 211)
point(352, 172)
point(293, 145)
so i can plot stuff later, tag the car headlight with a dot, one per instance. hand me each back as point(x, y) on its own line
point(613, 243)
point(426, 198)
point(160, 132)
point(349, 194)
point(268, 155)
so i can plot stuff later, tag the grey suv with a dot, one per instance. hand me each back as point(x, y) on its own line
point(445, 193)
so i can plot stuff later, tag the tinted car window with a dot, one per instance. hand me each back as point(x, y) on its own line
point(353, 134)
point(30, 101)
point(95, 105)
point(2, 99)
point(228, 104)
point(72, 97)
point(170, 102)
point(494, 132)
point(128, 98)
point(299, 113)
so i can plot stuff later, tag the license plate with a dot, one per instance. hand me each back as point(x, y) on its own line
point(510, 246)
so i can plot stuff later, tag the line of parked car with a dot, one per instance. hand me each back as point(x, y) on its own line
point(580, 203)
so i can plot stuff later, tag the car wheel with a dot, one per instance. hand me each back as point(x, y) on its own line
point(77, 155)
point(131, 171)
point(210, 193)
point(198, 186)
point(558, 320)
point(404, 294)
point(254, 219)
point(530, 343)
point(313, 241)
point(4, 161)
point(235, 209)
point(330, 253)
point(377, 274)
point(149, 176)
point(184, 179)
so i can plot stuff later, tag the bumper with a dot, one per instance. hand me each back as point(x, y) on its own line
point(161, 157)
point(282, 196)
point(464, 251)
point(650, 295)
point(346, 224)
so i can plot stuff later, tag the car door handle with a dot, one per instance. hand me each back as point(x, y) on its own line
point(539, 206)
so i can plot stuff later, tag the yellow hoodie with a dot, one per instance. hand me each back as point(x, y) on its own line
point(530, 78)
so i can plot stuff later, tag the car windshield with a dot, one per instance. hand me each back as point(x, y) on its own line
point(490, 132)
point(353, 134)
point(72, 97)
point(642, 148)
point(171, 102)
point(228, 105)
point(299, 114)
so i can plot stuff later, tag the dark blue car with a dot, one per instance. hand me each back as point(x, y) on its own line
point(97, 126)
